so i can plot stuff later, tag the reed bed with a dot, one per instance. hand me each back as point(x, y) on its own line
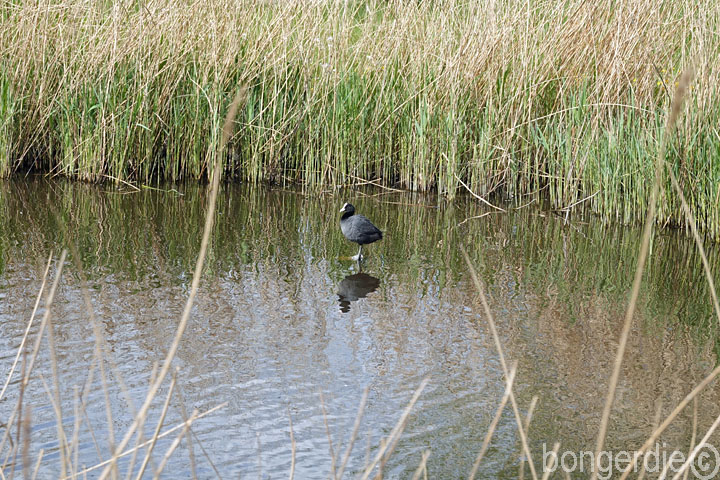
point(18, 425)
point(564, 98)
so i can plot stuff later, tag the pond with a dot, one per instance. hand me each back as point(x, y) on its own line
point(286, 327)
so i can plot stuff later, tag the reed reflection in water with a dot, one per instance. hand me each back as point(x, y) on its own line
point(281, 317)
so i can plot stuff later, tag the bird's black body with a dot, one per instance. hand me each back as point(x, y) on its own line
point(358, 228)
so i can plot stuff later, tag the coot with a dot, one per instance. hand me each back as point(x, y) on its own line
point(358, 228)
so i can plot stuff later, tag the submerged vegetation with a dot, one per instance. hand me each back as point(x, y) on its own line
point(565, 98)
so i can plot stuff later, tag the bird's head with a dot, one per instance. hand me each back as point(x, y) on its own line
point(347, 208)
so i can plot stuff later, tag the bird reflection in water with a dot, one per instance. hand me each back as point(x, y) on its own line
point(355, 287)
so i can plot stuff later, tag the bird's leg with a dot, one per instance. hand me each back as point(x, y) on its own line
point(359, 255)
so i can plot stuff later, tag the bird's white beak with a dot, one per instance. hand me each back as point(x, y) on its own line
point(342, 210)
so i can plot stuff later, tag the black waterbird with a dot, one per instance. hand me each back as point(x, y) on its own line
point(358, 228)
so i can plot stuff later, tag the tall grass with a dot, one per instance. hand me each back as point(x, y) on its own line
point(560, 97)
point(20, 420)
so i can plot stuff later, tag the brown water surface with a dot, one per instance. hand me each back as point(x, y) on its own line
point(283, 316)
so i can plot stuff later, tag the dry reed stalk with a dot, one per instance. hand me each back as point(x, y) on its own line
point(63, 444)
point(100, 352)
point(478, 196)
point(693, 438)
point(74, 448)
point(679, 408)
point(57, 406)
point(185, 416)
point(526, 427)
point(146, 443)
point(697, 449)
point(183, 412)
point(501, 355)
point(176, 442)
point(642, 258)
point(209, 220)
point(656, 421)
point(383, 445)
point(550, 468)
point(493, 424)
point(158, 427)
point(27, 420)
point(133, 457)
point(207, 456)
point(574, 204)
point(38, 462)
point(11, 454)
point(292, 449)
point(353, 435)
point(390, 450)
point(10, 457)
point(389, 444)
point(474, 218)
point(28, 365)
point(151, 380)
point(92, 431)
point(27, 329)
point(422, 468)
point(327, 432)
point(690, 218)
point(7, 436)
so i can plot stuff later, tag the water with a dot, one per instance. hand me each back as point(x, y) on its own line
point(284, 324)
